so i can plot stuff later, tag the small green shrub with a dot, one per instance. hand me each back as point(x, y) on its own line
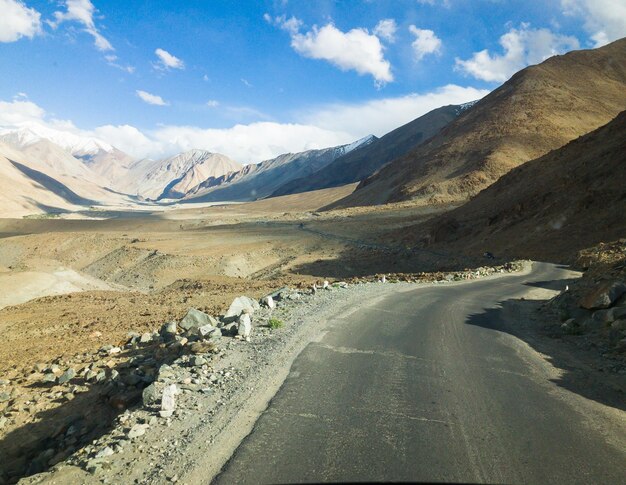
point(274, 323)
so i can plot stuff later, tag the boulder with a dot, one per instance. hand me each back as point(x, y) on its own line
point(269, 302)
point(197, 361)
point(604, 296)
point(145, 338)
point(138, 430)
point(244, 326)
point(240, 305)
point(67, 376)
point(168, 401)
point(196, 319)
point(49, 377)
point(168, 331)
point(150, 395)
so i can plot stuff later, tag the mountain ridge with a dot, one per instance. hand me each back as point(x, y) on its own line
point(540, 108)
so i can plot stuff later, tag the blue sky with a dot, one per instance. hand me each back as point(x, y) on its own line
point(252, 79)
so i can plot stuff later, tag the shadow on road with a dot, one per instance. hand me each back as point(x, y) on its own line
point(584, 368)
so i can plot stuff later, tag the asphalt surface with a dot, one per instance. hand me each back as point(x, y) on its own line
point(422, 386)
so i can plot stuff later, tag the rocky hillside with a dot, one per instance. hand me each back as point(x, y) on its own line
point(176, 176)
point(256, 181)
point(43, 178)
point(539, 109)
point(362, 163)
point(546, 209)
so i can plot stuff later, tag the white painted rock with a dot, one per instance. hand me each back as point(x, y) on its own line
point(239, 305)
point(325, 285)
point(269, 302)
point(244, 327)
point(168, 401)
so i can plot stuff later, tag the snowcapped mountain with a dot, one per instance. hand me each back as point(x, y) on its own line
point(259, 180)
point(29, 133)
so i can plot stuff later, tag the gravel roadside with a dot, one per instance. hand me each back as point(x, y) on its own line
point(221, 396)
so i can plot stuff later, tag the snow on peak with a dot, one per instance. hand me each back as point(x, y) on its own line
point(465, 106)
point(28, 133)
point(359, 143)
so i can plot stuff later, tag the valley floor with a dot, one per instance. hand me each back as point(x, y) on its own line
point(72, 286)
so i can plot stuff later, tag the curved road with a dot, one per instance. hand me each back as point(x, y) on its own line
point(421, 386)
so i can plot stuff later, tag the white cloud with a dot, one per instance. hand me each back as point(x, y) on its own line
point(19, 111)
point(356, 49)
point(212, 103)
point(386, 30)
point(82, 11)
point(522, 47)
point(380, 116)
point(168, 61)
point(17, 21)
point(323, 127)
point(151, 98)
point(426, 42)
point(605, 20)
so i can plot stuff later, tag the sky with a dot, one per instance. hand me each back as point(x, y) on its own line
point(254, 79)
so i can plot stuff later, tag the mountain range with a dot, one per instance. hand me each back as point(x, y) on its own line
point(539, 109)
point(446, 156)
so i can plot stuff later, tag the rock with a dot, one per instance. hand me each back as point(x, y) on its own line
point(619, 325)
point(106, 451)
point(197, 361)
point(205, 330)
point(40, 367)
point(325, 285)
point(244, 326)
point(202, 347)
point(49, 377)
point(168, 331)
point(602, 317)
point(269, 302)
point(138, 430)
point(168, 401)
point(342, 284)
point(604, 296)
point(67, 376)
point(618, 312)
point(240, 305)
point(215, 333)
point(230, 329)
point(278, 294)
point(145, 338)
point(101, 376)
point(196, 319)
point(5, 396)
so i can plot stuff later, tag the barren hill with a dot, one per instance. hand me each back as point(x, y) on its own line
point(539, 109)
point(546, 209)
point(256, 181)
point(363, 162)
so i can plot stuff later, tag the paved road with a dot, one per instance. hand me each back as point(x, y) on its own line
point(422, 387)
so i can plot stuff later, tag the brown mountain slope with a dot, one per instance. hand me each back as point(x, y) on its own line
point(539, 109)
point(364, 161)
point(546, 209)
